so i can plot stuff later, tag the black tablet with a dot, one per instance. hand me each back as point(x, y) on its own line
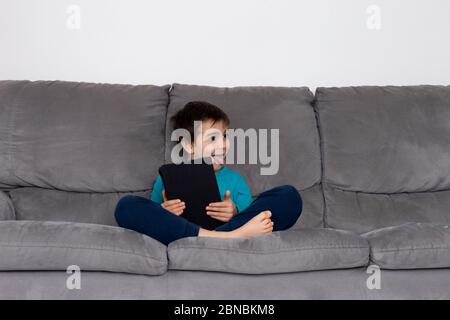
point(196, 185)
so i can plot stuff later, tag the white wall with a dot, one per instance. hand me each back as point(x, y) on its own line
point(227, 42)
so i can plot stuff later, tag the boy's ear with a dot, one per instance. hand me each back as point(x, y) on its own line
point(187, 146)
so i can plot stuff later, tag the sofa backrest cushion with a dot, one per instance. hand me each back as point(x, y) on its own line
point(287, 109)
point(81, 137)
point(386, 155)
point(77, 147)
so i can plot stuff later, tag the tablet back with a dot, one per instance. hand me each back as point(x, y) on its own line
point(196, 185)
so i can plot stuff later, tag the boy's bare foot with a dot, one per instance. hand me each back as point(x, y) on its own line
point(259, 224)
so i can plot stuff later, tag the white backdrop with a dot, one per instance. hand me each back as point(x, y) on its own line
point(227, 42)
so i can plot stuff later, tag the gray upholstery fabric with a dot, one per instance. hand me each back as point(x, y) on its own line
point(411, 246)
point(34, 285)
point(6, 207)
point(8, 93)
point(286, 109)
point(56, 205)
point(329, 284)
point(35, 245)
point(277, 252)
point(362, 212)
point(81, 137)
point(312, 212)
point(380, 142)
point(386, 139)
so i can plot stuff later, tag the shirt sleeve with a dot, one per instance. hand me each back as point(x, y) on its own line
point(242, 195)
point(157, 191)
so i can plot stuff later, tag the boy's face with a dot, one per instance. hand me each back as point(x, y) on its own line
point(212, 142)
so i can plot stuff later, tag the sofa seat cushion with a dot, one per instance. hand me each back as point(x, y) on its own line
point(276, 252)
point(39, 245)
point(411, 246)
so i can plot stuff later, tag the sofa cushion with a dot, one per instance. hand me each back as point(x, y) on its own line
point(385, 153)
point(36, 245)
point(277, 252)
point(411, 246)
point(288, 109)
point(56, 205)
point(6, 207)
point(386, 139)
point(83, 137)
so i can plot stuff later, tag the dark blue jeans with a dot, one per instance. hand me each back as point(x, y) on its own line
point(148, 217)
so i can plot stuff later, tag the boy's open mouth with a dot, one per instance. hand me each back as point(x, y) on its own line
point(218, 158)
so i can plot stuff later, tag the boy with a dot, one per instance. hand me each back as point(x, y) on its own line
point(273, 210)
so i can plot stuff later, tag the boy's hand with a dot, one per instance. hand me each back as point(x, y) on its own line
point(175, 206)
point(222, 211)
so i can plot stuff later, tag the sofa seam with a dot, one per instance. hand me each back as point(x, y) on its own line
point(334, 186)
point(19, 188)
point(270, 252)
point(410, 249)
point(65, 246)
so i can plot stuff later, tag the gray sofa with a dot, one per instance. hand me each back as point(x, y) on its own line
point(372, 165)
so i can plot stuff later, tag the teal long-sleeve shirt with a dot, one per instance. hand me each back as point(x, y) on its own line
point(226, 180)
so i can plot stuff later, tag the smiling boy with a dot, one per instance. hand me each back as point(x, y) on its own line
point(273, 210)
